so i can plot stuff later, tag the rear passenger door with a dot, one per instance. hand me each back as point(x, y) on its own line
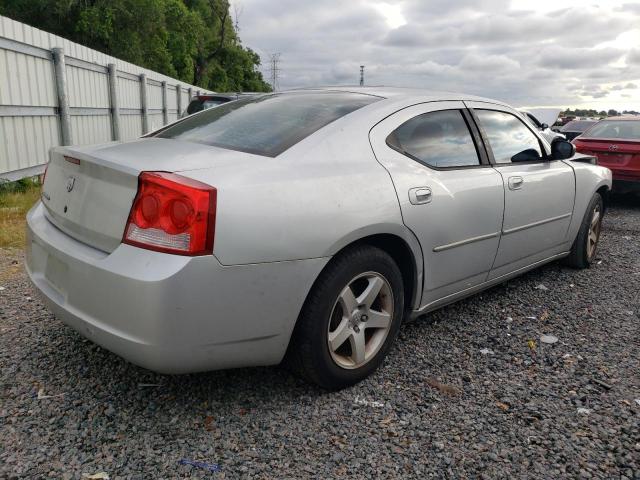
point(450, 196)
point(538, 192)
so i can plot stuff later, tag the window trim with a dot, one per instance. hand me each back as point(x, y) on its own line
point(483, 160)
point(487, 145)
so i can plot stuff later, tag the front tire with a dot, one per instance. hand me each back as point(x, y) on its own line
point(350, 319)
point(584, 248)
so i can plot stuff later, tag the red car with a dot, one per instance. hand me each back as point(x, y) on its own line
point(615, 142)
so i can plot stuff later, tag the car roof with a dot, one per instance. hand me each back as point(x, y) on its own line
point(397, 93)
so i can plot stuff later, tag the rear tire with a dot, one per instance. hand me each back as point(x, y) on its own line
point(350, 319)
point(584, 248)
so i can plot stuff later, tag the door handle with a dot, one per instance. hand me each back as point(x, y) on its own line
point(515, 183)
point(420, 195)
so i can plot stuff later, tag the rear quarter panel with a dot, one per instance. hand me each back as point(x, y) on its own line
point(308, 202)
point(589, 179)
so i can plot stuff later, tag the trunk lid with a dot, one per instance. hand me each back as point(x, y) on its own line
point(622, 156)
point(88, 191)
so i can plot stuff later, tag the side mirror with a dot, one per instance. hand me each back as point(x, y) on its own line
point(562, 149)
point(528, 155)
point(544, 126)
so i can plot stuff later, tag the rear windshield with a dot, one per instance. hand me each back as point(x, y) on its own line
point(619, 129)
point(266, 125)
point(577, 126)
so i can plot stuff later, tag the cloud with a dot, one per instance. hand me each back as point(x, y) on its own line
point(577, 58)
point(525, 56)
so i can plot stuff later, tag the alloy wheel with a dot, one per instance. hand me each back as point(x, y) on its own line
point(594, 232)
point(360, 320)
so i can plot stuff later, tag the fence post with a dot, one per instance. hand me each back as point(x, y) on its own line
point(165, 111)
point(179, 100)
point(63, 100)
point(143, 103)
point(113, 99)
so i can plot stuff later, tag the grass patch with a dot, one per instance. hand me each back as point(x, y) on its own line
point(16, 199)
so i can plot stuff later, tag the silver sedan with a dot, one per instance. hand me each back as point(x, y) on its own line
point(304, 226)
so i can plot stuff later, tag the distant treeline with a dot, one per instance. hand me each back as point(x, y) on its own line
point(193, 40)
point(595, 113)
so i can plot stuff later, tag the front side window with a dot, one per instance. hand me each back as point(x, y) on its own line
point(437, 139)
point(509, 138)
point(268, 124)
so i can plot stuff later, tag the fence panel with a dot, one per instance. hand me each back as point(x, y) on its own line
point(34, 115)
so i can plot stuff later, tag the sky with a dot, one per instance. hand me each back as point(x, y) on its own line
point(529, 53)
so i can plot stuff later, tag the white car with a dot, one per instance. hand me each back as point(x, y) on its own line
point(308, 224)
point(543, 119)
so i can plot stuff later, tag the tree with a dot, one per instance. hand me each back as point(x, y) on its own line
point(192, 40)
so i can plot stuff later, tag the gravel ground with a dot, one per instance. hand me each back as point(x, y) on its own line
point(472, 393)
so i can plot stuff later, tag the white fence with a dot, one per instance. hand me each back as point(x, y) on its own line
point(56, 92)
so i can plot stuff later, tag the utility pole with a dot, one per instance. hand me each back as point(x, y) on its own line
point(362, 75)
point(274, 61)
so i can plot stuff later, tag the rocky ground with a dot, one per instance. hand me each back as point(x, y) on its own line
point(471, 393)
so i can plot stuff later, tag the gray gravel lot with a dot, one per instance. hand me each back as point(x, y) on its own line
point(439, 407)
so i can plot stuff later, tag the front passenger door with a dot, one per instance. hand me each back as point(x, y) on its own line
point(538, 192)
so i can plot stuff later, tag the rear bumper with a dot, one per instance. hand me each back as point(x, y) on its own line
point(168, 313)
point(629, 172)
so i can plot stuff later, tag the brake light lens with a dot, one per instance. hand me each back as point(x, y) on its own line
point(172, 214)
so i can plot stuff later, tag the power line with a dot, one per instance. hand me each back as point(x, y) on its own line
point(274, 70)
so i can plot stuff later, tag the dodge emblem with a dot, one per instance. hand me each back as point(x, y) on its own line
point(70, 182)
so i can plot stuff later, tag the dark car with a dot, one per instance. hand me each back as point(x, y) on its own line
point(615, 142)
point(576, 127)
point(203, 102)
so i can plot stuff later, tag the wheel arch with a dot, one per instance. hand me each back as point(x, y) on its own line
point(604, 192)
point(401, 244)
point(405, 250)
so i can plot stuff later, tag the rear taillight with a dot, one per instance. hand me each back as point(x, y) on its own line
point(172, 214)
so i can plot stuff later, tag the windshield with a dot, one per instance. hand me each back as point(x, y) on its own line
point(269, 124)
point(212, 103)
point(617, 129)
point(534, 120)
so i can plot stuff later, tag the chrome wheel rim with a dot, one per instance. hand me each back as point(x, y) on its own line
point(594, 232)
point(360, 320)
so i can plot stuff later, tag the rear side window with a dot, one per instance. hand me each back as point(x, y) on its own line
point(437, 139)
point(509, 137)
point(615, 129)
point(266, 125)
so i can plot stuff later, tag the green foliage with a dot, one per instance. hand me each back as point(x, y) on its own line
point(192, 40)
point(16, 198)
point(583, 112)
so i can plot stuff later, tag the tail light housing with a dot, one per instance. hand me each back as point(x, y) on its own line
point(172, 214)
